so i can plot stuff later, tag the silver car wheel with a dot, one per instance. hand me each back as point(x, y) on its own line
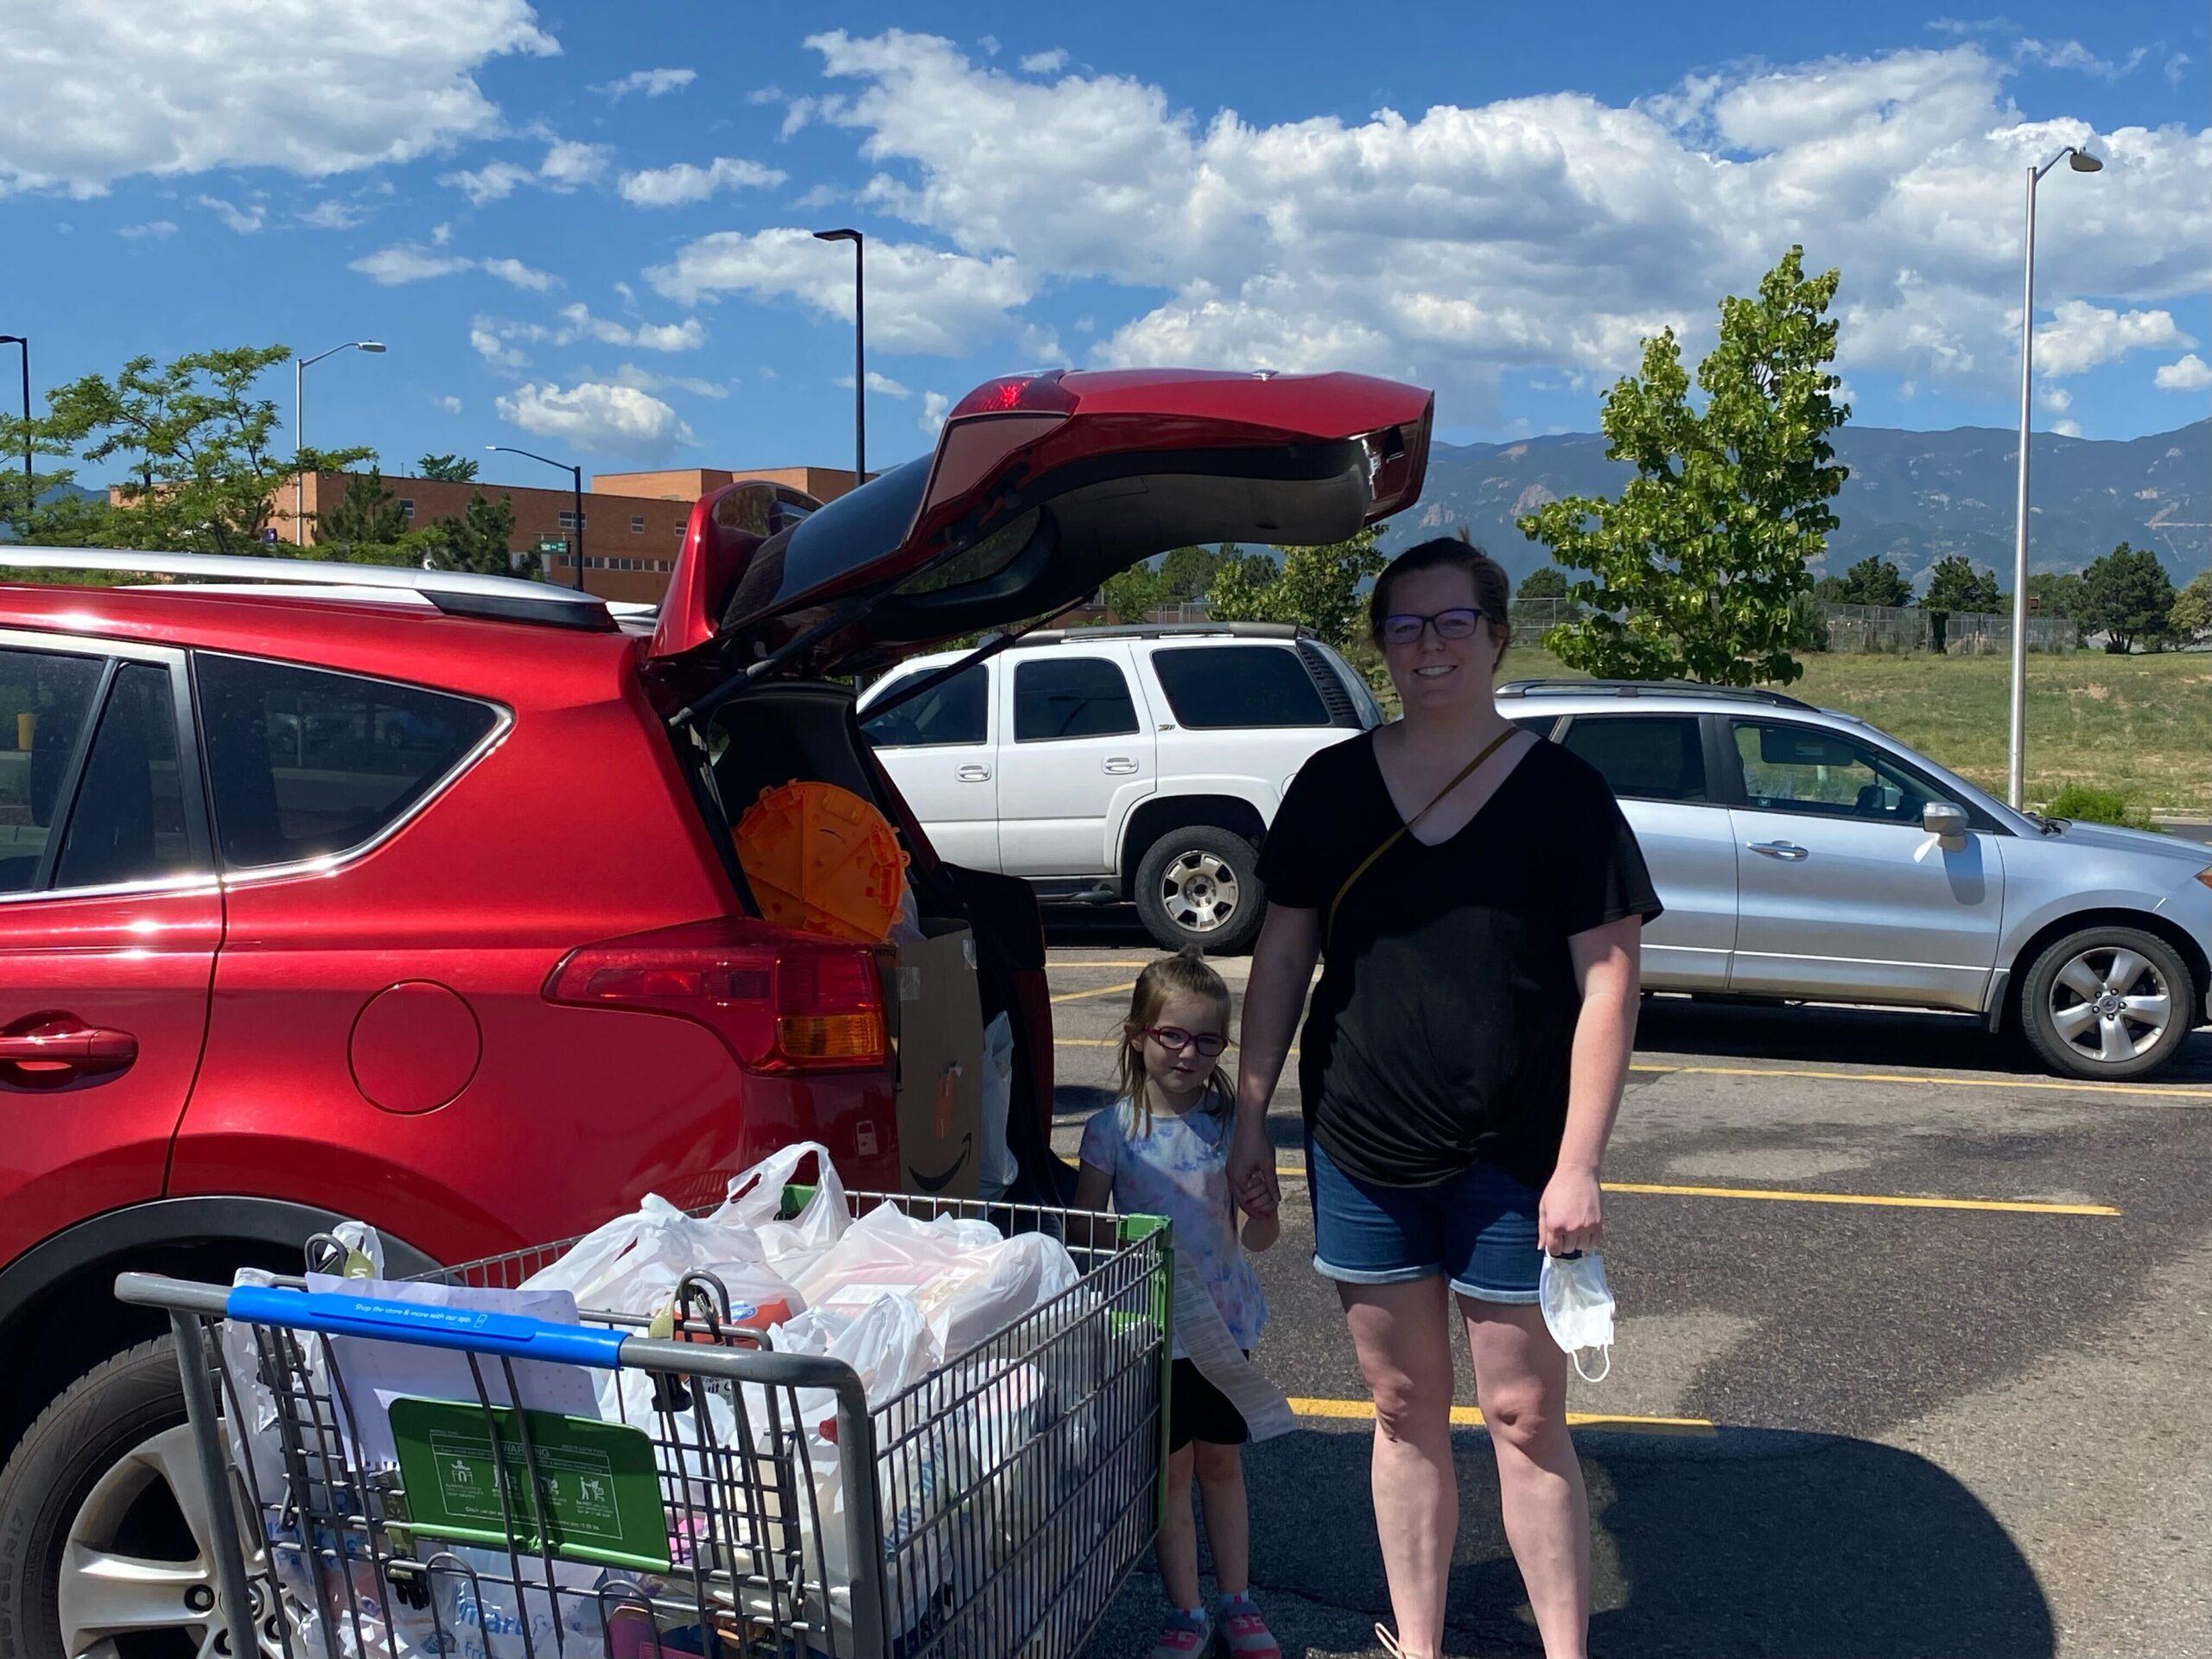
point(111, 1595)
point(1200, 891)
point(2110, 1004)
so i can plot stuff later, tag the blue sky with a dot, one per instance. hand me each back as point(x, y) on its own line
point(582, 230)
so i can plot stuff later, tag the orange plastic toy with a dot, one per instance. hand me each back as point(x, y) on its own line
point(821, 859)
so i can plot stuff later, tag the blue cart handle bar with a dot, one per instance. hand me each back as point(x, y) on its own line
point(474, 1331)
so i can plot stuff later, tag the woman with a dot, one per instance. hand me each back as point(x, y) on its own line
point(1478, 899)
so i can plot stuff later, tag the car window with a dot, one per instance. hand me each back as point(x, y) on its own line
point(1642, 757)
point(1214, 687)
point(305, 762)
point(954, 712)
point(1071, 696)
point(127, 822)
point(1793, 768)
point(46, 698)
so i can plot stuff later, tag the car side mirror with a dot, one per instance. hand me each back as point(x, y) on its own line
point(1942, 820)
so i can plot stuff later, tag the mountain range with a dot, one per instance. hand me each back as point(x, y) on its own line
point(1912, 497)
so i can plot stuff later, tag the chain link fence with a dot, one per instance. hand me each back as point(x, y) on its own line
point(1864, 628)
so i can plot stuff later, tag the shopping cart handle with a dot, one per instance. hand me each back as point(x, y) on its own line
point(475, 1331)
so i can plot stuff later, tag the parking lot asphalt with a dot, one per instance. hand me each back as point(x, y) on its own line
point(1911, 1361)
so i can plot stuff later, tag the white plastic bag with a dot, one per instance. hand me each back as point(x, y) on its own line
point(887, 1249)
point(1578, 1306)
point(986, 1290)
point(996, 1167)
point(632, 1264)
point(757, 1197)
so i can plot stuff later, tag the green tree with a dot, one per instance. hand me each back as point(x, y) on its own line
point(447, 469)
point(1187, 573)
point(367, 515)
point(1873, 580)
point(1131, 593)
point(1545, 581)
point(2128, 594)
point(2058, 594)
point(1698, 570)
point(2191, 616)
point(1954, 585)
point(1316, 587)
point(195, 446)
point(478, 540)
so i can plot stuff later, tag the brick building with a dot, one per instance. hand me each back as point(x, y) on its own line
point(634, 522)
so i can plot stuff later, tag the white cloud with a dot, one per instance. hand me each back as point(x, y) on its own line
point(934, 405)
point(2067, 428)
point(245, 221)
point(92, 93)
point(488, 342)
point(450, 404)
point(568, 164)
point(519, 275)
point(407, 263)
point(596, 416)
point(2072, 54)
point(2053, 400)
point(493, 183)
point(440, 235)
point(670, 186)
point(331, 215)
point(155, 228)
point(653, 83)
point(2081, 336)
point(647, 380)
point(918, 299)
point(1548, 232)
point(882, 385)
point(990, 43)
point(629, 295)
point(2191, 373)
point(685, 336)
point(2177, 67)
point(1044, 63)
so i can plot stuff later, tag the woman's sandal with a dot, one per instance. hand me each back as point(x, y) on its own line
point(1390, 1644)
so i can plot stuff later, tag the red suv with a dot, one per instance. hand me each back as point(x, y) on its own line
point(420, 907)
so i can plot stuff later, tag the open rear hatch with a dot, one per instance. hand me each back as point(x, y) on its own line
point(1041, 486)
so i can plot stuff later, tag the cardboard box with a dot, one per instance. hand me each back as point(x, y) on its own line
point(940, 1059)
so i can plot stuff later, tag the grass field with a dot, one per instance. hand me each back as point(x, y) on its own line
point(2139, 725)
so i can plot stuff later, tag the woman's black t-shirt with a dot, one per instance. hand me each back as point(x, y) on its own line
point(1440, 1034)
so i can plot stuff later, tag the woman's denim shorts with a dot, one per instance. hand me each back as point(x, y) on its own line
point(1477, 1230)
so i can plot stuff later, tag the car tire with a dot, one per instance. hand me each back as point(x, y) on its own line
point(1200, 885)
point(2108, 1002)
point(90, 1472)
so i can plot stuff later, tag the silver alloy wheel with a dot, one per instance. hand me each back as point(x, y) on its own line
point(110, 1593)
point(1199, 892)
point(2110, 1004)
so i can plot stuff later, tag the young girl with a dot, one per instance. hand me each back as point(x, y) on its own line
point(1162, 1150)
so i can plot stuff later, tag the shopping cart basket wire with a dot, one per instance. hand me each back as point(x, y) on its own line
point(990, 1509)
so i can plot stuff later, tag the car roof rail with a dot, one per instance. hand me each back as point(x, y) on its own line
point(456, 593)
point(1166, 631)
point(1653, 688)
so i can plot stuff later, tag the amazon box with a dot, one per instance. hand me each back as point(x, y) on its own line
point(940, 1058)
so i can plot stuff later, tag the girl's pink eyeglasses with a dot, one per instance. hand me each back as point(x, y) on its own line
point(1175, 1039)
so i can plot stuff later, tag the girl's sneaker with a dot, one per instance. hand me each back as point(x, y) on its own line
point(1185, 1635)
point(1245, 1634)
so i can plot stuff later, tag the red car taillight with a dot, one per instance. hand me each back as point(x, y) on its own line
point(782, 1001)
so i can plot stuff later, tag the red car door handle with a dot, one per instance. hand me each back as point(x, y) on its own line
point(64, 1044)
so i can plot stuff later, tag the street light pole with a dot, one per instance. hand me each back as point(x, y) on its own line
point(575, 472)
point(2016, 767)
point(29, 491)
point(859, 350)
point(300, 367)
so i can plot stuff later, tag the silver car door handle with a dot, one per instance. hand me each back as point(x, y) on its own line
point(1788, 849)
point(1119, 763)
point(973, 774)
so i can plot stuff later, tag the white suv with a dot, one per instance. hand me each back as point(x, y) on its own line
point(1107, 764)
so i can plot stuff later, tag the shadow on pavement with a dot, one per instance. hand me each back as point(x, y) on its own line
point(1738, 1541)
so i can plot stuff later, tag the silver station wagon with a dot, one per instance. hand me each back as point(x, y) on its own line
point(1804, 855)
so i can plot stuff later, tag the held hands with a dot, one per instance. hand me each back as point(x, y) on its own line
point(1252, 1169)
point(1569, 1216)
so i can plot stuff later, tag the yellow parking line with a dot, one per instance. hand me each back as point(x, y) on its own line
point(1470, 1417)
point(1101, 990)
point(1783, 1195)
point(2151, 1088)
point(1077, 967)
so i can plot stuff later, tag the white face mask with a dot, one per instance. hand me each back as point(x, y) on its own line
point(1577, 1308)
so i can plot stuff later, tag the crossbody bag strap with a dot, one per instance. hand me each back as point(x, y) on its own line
point(1328, 926)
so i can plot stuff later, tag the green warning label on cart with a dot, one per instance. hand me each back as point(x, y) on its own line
point(596, 1485)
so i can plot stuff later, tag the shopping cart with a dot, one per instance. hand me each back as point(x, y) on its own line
point(734, 1501)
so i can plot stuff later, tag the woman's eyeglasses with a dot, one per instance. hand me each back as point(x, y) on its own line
point(1175, 1039)
point(1405, 629)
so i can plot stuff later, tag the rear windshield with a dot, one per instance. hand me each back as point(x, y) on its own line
point(858, 528)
